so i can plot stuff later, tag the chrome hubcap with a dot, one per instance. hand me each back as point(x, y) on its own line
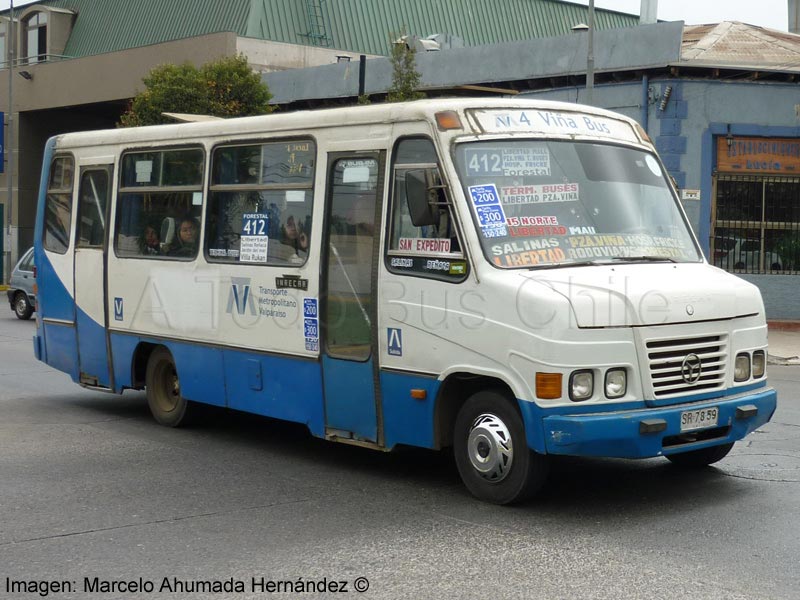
point(489, 447)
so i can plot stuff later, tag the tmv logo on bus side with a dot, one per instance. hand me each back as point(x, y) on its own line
point(240, 296)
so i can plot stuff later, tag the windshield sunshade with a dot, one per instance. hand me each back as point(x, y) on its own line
point(551, 203)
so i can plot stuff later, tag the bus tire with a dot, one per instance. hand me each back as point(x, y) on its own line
point(163, 387)
point(696, 459)
point(491, 451)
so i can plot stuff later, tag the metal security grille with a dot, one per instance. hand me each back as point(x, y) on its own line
point(673, 365)
point(756, 224)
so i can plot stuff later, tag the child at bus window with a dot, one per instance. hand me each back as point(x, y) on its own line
point(185, 243)
point(150, 242)
point(293, 235)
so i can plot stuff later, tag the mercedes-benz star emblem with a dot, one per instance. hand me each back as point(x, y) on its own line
point(691, 368)
point(689, 310)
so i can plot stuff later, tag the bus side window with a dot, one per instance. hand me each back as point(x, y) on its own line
point(158, 190)
point(92, 200)
point(422, 225)
point(260, 203)
point(58, 206)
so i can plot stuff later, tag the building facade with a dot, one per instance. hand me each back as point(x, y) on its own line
point(73, 65)
point(720, 102)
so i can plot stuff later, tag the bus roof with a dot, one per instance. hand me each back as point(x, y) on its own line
point(320, 118)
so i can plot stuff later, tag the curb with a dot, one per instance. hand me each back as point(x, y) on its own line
point(784, 325)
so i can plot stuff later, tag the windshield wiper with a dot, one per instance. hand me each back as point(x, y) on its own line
point(582, 263)
point(643, 258)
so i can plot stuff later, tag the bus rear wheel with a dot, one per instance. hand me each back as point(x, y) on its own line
point(491, 451)
point(163, 387)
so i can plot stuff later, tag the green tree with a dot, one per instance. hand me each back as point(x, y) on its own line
point(405, 77)
point(223, 88)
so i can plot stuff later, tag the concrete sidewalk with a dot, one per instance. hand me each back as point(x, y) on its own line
point(784, 345)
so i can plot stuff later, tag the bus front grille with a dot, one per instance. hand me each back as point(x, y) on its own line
point(684, 366)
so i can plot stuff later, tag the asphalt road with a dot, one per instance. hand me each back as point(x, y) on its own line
point(92, 491)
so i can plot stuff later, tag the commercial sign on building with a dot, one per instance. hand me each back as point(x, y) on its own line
point(768, 156)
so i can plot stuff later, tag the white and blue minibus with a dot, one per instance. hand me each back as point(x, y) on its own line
point(512, 279)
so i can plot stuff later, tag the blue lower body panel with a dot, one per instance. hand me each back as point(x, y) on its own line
point(275, 386)
point(92, 355)
point(350, 397)
point(408, 420)
point(61, 345)
point(265, 384)
point(617, 434)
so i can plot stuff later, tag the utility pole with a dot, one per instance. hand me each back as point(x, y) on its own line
point(590, 56)
point(10, 141)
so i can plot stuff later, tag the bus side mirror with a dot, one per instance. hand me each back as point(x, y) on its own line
point(419, 199)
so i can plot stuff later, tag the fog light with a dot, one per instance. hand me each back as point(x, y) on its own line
point(581, 385)
point(616, 383)
point(759, 364)
point(741, 370)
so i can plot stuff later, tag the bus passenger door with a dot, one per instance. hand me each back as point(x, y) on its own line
point(348, 308)
point(90, 276)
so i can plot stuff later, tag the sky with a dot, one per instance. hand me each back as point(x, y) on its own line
point(767, 13)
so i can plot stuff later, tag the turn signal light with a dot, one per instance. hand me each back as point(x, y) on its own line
point(448, 119)
point(548, 386)
point(642, 133)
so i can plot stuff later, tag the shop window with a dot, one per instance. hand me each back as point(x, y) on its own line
point(757, 224)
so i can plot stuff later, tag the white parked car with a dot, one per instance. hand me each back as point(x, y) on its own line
point(743, 254)
point(20, 287)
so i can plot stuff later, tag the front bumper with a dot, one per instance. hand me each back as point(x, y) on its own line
point(624, 434)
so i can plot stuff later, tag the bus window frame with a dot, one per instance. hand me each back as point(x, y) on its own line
point(72, 207)
point(101, 168)
point(389, 253)
point(239, 187)
point(203, 187)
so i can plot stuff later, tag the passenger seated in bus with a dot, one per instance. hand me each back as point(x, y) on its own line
point(150, 242)
point(185, 243)
point(292, 235)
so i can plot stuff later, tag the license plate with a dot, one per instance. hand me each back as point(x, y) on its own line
point(699, 419)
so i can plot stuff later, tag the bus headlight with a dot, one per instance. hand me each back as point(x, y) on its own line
point(741, 370)
point(759, 364)
point(616, 383)
point(581, 385)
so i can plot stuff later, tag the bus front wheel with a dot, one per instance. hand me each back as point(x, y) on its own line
point(163, 387)
point(491, 451)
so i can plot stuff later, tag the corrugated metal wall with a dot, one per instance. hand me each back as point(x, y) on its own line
point(109, 25)
point(367, 25)
point(353, 25)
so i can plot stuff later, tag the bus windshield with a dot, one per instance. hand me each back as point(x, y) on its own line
point(540, 203)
